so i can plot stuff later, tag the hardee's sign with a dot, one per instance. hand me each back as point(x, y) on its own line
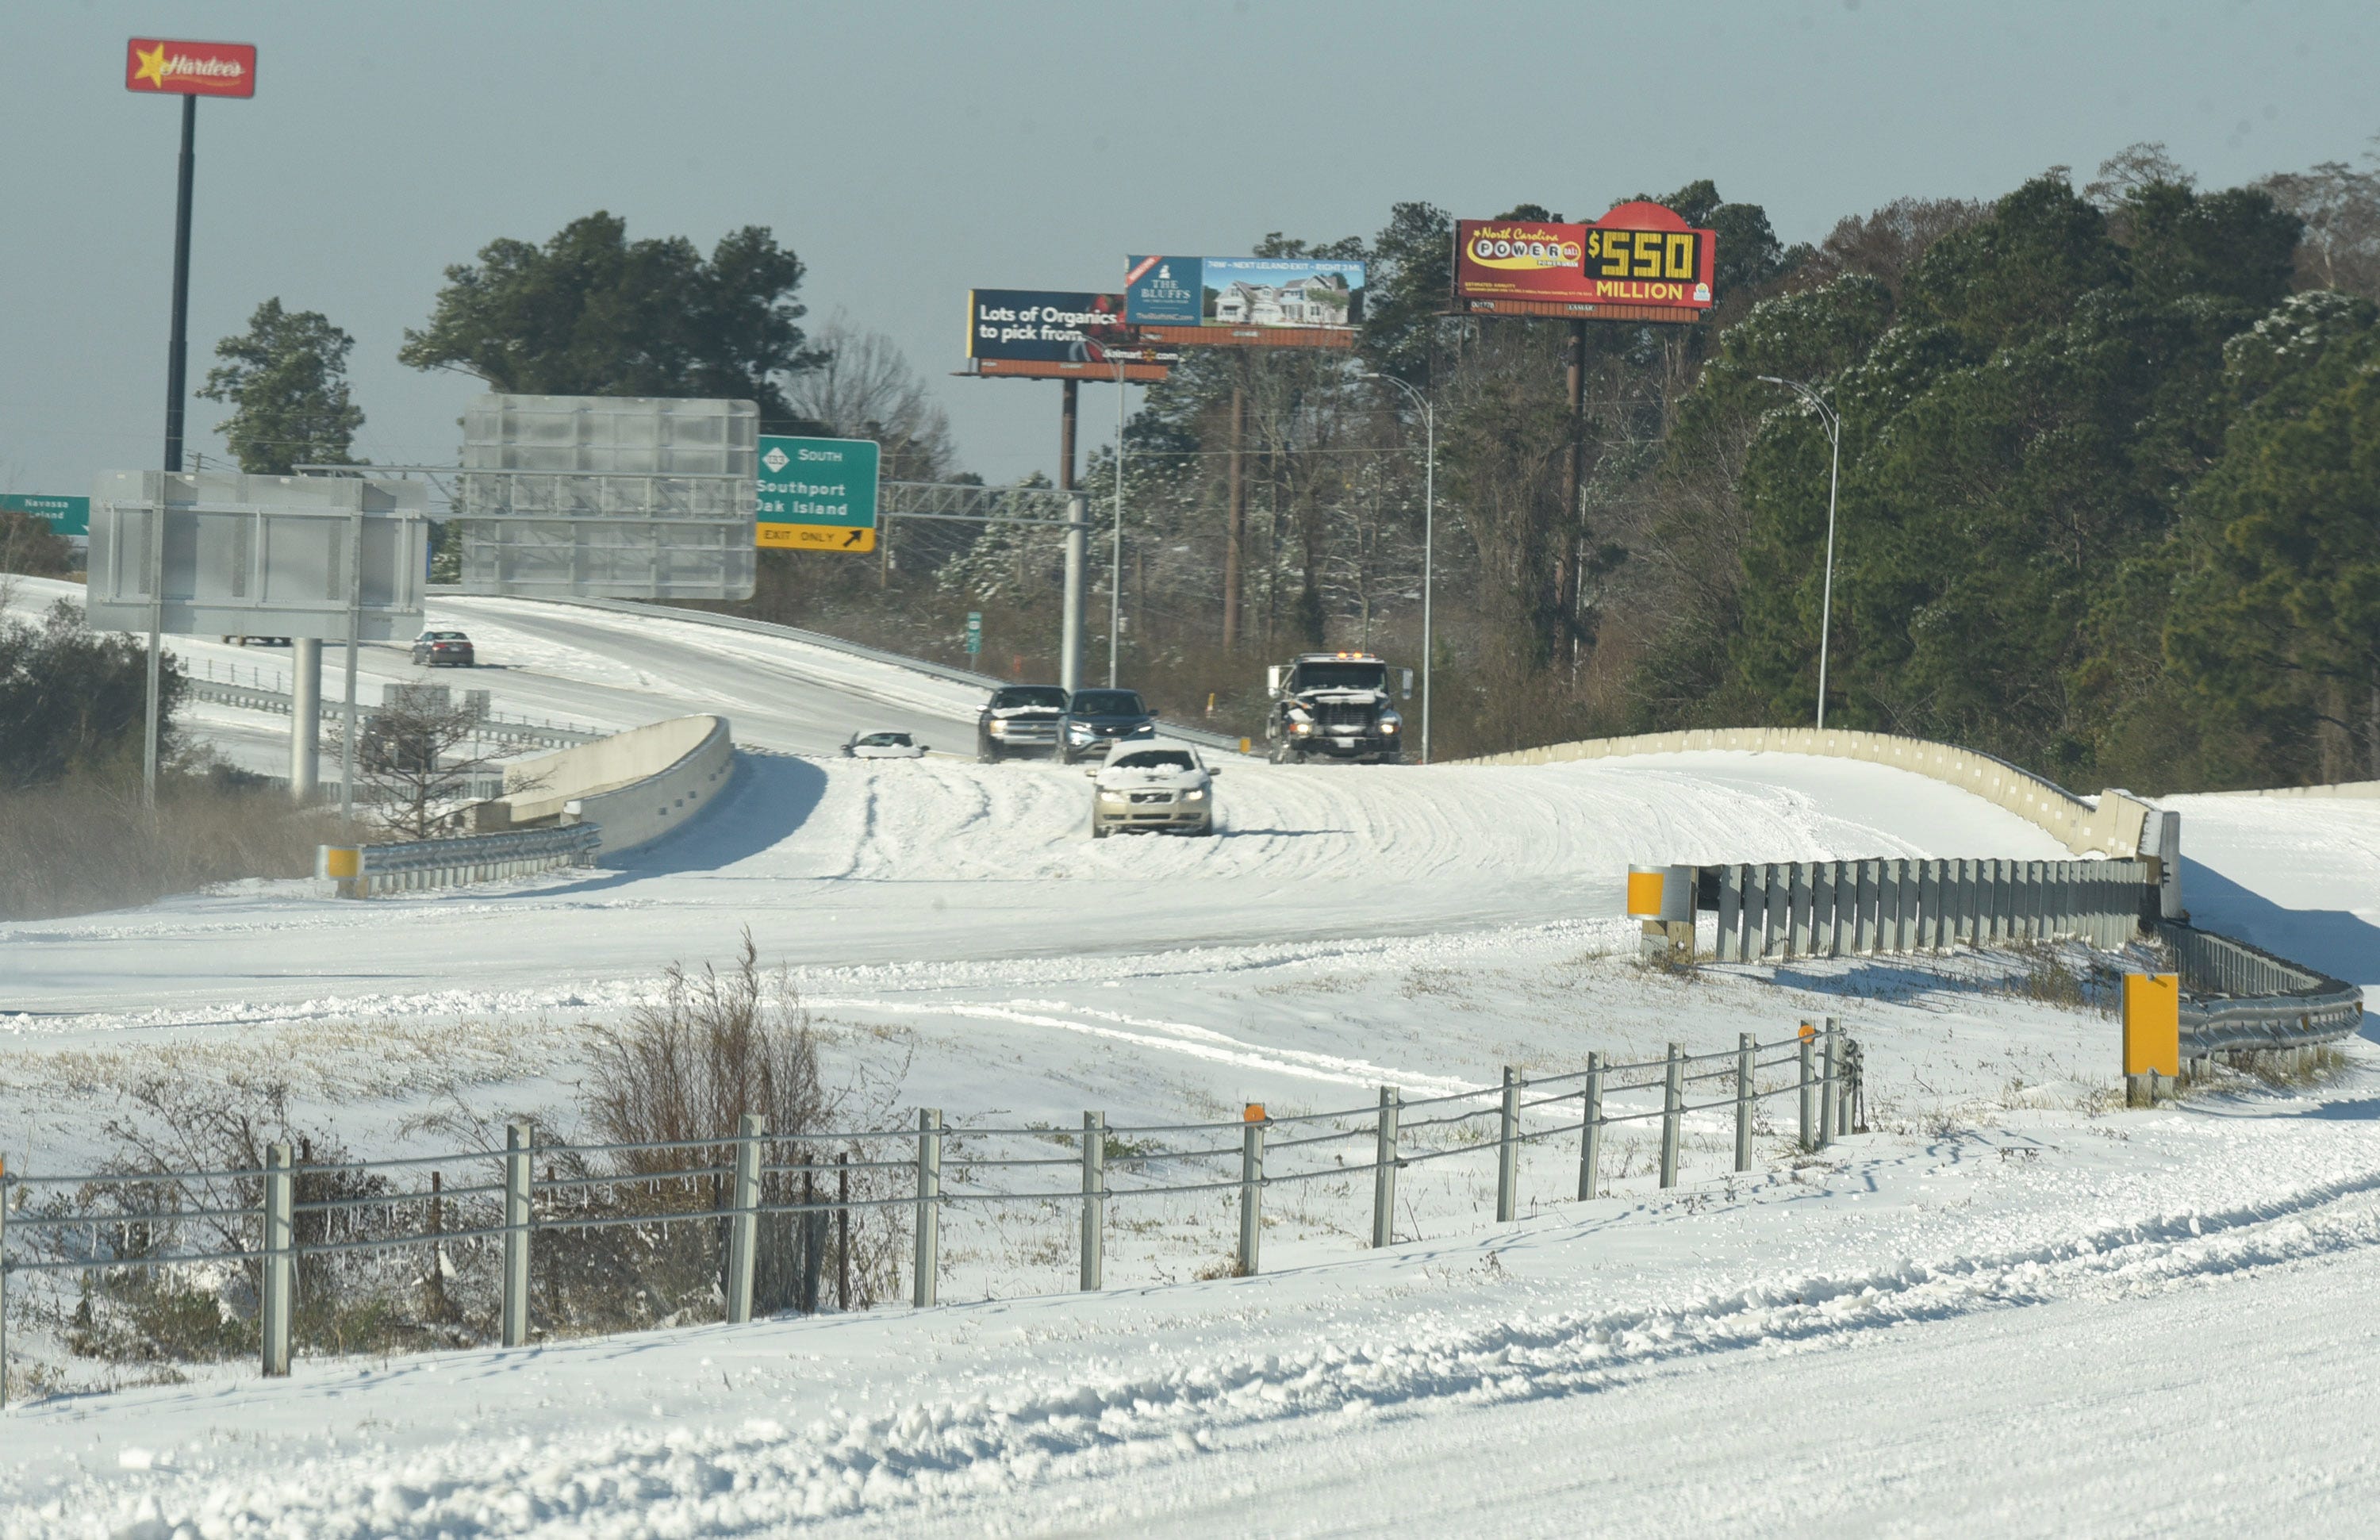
point(189, 68)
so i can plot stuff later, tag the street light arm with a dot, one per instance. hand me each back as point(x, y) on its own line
point(1832, 419)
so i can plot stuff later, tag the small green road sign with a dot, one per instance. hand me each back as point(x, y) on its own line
point(975, 633)
point(817, 494)
point(67, 516)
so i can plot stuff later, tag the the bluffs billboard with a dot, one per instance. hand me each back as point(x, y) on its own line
point(1264, 292)
point(1055, 326)
point(1638, 254)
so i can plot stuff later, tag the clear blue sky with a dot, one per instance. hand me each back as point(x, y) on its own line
point(909, 151)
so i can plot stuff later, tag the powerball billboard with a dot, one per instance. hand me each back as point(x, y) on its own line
point(1638, 254)
point(1053, 326)
point(1263, 292)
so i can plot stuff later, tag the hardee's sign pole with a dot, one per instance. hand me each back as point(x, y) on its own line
point(161, 66)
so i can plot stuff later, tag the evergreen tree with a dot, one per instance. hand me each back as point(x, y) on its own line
point(286, 379)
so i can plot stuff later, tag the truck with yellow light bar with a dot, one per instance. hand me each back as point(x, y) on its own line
point(1333, 706)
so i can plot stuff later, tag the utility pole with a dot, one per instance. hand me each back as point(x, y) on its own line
point(1834, 425)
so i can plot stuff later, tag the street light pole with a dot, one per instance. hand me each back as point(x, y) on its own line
point(1834, 424)
point(1428, 538)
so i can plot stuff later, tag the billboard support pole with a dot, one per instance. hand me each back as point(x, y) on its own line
point(1569, 555)
point(177, 348)
point(1237, 517)
point(1070, 641)
point(1068, 401)
point(1115, 562)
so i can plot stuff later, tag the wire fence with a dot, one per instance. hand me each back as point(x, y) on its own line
point(544, 1238)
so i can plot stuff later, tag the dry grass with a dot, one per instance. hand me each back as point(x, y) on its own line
point(87, 844)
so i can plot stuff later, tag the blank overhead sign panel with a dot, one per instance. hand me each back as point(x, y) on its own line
point(217, 553)
point(608, 496)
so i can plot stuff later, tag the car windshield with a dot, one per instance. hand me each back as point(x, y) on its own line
point(1108, 703)
point(1342, 676)
point(1155, 758)
point(1049, 696)
point(885, 740)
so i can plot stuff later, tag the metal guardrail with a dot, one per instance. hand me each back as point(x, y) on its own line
point(497, 726)
point(91, 1225)
point(2236, 996)
point(363, 871)
point(1838, 908)
point(1200, 735)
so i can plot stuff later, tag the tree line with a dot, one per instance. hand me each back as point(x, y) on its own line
point(2111, 473)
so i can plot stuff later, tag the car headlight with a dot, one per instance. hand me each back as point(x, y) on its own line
point(1301, 727)
point(1390, 724)
point(1196, 794)
point(1109, 794)
point(998, 729)
point(1080, 730)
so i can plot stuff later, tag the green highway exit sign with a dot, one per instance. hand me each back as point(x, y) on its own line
point(817, 494)
point(67, 516)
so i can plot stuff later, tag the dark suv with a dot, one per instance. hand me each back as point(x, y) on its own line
point(1017, 718)
point(1096, 719)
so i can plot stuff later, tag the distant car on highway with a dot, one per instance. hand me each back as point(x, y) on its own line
point(444, 649)
point(1018, 718)
point(1146, 790)
point(883, 746)
point(1096, 719)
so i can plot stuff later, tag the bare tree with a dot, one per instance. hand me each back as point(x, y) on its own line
point(866, 390)
point(2341, 209)
point(420, 757)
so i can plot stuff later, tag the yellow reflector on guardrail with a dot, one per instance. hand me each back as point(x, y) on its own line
point(2153, 1024)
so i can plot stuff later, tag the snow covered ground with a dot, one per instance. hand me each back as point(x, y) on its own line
point(2009, 1308)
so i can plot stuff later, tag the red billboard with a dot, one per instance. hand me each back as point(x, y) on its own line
point(189, 68)
point(1639, 257)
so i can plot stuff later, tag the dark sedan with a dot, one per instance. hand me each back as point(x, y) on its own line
point(1096, 719)
point(444, 649)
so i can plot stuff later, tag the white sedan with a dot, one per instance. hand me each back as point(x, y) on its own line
point(1150, 790)
point(883, 746)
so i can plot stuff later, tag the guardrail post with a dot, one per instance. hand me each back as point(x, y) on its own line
point(1851, 1087)
point(1672, 1099)
point(1507, 1149)
point(519, 1154)
point(744, 1223)
point(280, 1217)
point(1831, 1077)
point(1809, 1091)
point(1590, 1132)
point(1251, 1188)
point(1384, 1169)
point(1743, 1072)
point(923, 1285)
point(1095, 1219)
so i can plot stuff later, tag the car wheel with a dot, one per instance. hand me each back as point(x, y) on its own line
point(1204, 831)
point(1099, 829)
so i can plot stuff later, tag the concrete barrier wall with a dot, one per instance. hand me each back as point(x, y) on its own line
point(2116, 826)
point(639, 786)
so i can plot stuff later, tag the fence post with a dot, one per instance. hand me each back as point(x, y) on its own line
point(744, 1225)
point(518, 1153)
point(1830, 1077)
point(1672, 1098)
point(1508, 1148)
point(923, 1285)
point(1251, 1187)
point(1743, 1072)
point(1095, 1165)
point(1384, 1169)
point(1590, 1133)
point(1851, 1087)
point(273, 1317)
point(4, 1281)
point(1809, 1091)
